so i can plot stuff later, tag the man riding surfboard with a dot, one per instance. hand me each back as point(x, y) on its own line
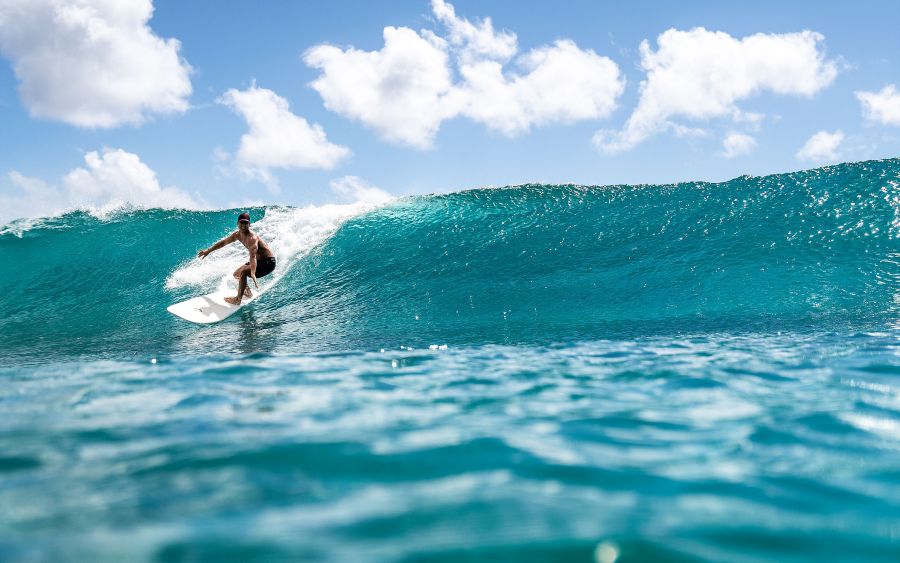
point(261, 263)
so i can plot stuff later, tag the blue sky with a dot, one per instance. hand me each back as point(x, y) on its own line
point(180, 130)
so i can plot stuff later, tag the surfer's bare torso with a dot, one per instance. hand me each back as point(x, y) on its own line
point(253, 242)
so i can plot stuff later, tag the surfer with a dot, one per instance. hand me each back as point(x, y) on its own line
point(262, 260)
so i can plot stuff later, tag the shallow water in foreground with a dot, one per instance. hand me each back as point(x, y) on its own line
point(706, 447)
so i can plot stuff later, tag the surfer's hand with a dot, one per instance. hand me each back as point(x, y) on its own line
point(202, 254)
point(254, 280)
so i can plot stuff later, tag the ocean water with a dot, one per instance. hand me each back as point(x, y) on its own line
point(687, 372)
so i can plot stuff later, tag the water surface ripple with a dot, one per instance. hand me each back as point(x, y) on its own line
point(706, 447)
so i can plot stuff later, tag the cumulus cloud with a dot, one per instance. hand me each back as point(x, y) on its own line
point(117, 177)
point(277, 138)
point(821, 147)
point(700, 74)
point(737, 144)
point(403, 91)
point(92, 63)
point(406, 90)
point(561, 83)
point(475, 41)
point(881, 107)
point(109, 180)
point(354, 189)
point(35, 198)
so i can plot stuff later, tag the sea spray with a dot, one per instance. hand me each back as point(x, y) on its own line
point(290, 233)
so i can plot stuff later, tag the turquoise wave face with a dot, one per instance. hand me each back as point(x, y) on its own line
point(534, 263)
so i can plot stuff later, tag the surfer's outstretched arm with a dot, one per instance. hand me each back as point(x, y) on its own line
point(224, 242)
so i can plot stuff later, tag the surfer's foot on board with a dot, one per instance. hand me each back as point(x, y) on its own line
point(233, 300)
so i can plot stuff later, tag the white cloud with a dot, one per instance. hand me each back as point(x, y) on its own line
point(737, 144)
point(92, 63)
point(117, 177)
point(402, 91)
point(700, 74)
point(407, 89)
point(475, 42)
point(35, 199)
point(752, 120)
point(563, 84)
point(354, 189)
point(821, 147)
point(277, 138)
point(109, 180)
point(882, 107)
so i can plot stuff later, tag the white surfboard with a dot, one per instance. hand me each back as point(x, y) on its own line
point(210, 308)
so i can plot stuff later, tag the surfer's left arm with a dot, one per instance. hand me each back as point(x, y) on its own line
point(253, 265)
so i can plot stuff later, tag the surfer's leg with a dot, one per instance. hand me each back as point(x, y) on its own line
point(242, 285)
point(246, 281)
point(237, 276)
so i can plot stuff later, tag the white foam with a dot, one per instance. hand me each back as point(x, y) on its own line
point(291, 233)
point(21, 226)
point(107, 212)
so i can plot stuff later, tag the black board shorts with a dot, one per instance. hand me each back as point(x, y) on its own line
point(264, 266)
